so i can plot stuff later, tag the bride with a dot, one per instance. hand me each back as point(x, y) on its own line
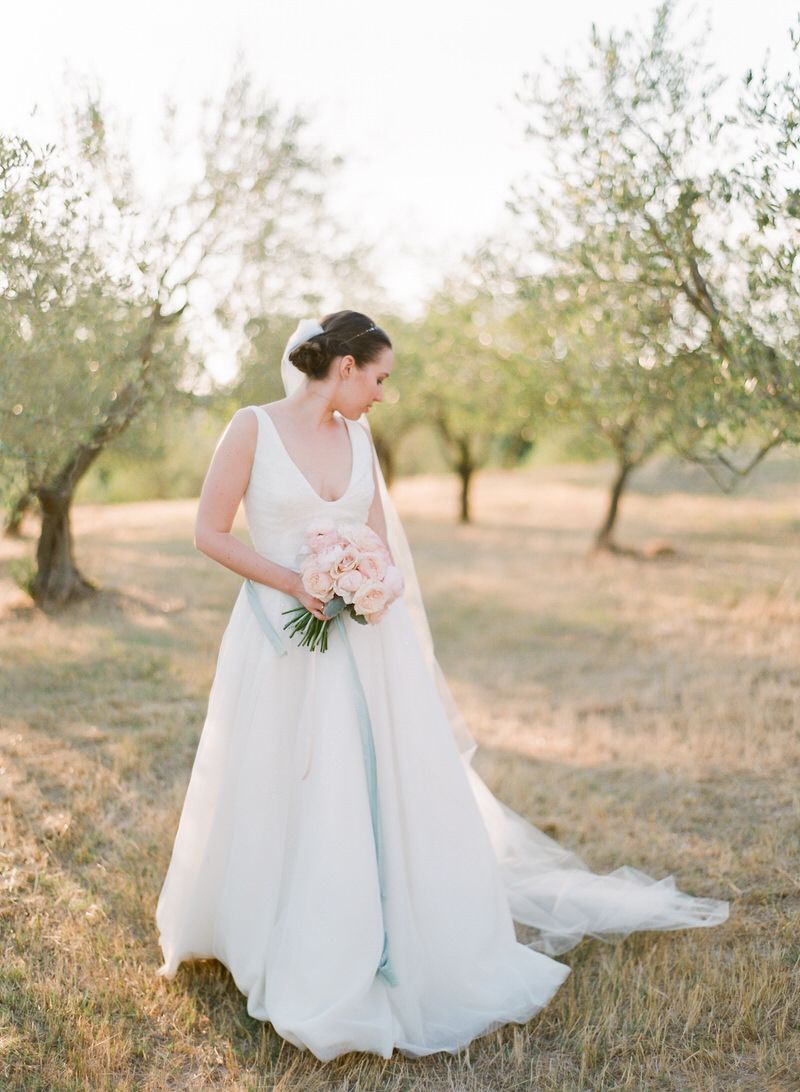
point(336, 850)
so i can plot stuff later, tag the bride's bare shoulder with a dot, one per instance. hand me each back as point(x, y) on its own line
point(244, 422)
point(241, 432)
point(273, 408)
point(246, 419)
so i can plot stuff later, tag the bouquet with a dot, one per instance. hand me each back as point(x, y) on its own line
point(350, 569)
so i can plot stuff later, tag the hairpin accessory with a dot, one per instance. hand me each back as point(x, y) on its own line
point(368, 330)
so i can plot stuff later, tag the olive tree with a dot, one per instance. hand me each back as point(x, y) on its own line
point(610, 372)
point(472, 381)
point(642, 201)
point(99, 287)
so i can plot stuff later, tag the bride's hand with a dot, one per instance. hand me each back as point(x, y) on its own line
point(310, 602)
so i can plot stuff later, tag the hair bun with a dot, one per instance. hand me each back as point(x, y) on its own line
point(311, 358)
point(344, 333)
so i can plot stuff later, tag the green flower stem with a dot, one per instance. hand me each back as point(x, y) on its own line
point(313, 631)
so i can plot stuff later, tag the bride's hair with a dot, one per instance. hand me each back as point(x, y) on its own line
point(344, 332)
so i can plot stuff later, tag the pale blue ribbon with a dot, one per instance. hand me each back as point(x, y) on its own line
point(385, 969)
point(263, 621)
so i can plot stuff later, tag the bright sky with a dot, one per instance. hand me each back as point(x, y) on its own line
point(418, 96)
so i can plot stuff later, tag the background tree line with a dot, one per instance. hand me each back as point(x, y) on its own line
point(647, 300)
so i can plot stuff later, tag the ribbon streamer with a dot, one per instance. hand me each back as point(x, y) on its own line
point(263, 621)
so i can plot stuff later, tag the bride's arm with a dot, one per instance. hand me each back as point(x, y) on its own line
point(223, 489)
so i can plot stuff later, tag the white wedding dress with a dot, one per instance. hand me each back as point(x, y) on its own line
point(276, 871)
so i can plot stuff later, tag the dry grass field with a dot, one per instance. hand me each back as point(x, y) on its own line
point(641, 711)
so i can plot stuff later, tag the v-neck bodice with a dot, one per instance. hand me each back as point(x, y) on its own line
point(280, 502)
point(280, 440)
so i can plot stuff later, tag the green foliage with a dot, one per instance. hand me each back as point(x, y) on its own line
point(640, 225)
point(607, 364)
point(653, 303)
point(259, 376)
point(94, 281)
point(163, 456)
point(85, 349)
point(98, 289)
point(471, 378)
point(763, 332)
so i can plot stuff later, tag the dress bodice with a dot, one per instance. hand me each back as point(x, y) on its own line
point(280, 502)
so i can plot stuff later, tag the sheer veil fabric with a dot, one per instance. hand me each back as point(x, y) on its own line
point(549, 888)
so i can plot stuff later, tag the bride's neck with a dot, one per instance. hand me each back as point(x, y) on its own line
point(313, 407)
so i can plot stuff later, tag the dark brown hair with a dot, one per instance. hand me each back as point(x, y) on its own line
point(344, 333)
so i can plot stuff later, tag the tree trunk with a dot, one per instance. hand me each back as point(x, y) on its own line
point(605, 536)
point(465, 469)
point(461, 458)
point(57, 580)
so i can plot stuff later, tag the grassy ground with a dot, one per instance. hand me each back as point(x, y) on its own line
point(642, 712)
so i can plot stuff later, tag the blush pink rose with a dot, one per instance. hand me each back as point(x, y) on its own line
point(373, 565)
point(348, 584)
point(318, 582)
point(370, 598)
point(349, 560)
point(329, 558)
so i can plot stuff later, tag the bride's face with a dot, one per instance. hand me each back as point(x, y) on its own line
point(359, 388)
